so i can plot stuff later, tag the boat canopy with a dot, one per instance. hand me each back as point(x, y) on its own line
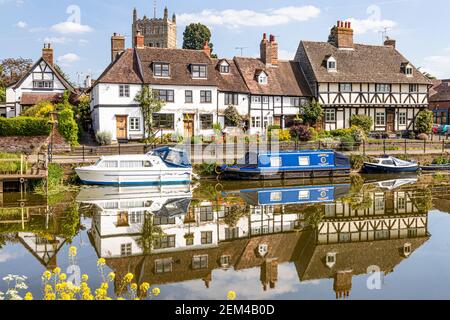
point(172, 156)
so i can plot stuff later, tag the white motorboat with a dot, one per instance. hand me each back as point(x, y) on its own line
point(160, 166)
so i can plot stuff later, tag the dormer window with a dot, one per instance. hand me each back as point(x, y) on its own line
point(161, 69)
point(263, 78)
point(409, 71)
point(224, 67)
point(199, 71)
point(331, 64)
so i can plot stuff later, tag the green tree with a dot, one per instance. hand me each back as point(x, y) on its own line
point(232, 117)
point(363, 122)
point(149, 103)
point(2, 94)
point(12, 69)
point(195, 36)
point(67, 126)
point(424, 121)
point(312, 113)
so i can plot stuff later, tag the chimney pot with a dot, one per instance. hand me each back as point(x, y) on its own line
point(117, 46)
point(139, 40)
point(47, 53)
point(264, 36)
point(342, 35)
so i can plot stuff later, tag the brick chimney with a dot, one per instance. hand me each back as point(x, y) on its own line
point(139, 40)
point(342, 35)
point(273, 51)
point(47, 53)
point(207, 49)
point(117, 46)
point(264, 48)
point(389, 42)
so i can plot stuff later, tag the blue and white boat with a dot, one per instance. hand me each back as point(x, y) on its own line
point(294, 195)
point(390, 164)
point(160, 166)
point(288, 165)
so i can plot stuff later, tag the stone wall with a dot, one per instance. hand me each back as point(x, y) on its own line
point(27, 145)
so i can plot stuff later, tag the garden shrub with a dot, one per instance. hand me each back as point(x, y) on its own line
point(24, 126)
point(301, 132)
point(347, 143)
point(341, 132)
point(357, 161)
point(363, 122)
point(103, 138)
point(314, 134)
point(424, 121)
point(41, 110)
point(358, 134)
point(283, 135)
point(232, 117)
point(67, 126)
point(440, 160)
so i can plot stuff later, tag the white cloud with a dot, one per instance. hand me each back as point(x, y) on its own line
point(69, 27)
point(374, 22)
point(68, 58)
point(18, 2)
point(437, 65)
point(22, 24)
point(60, 40)
point(248, 18)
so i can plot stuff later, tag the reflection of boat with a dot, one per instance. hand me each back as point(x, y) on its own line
point(390, 164)
point(394, 184)
point(160, 166)
point(288, 165)
point(160, 200)
point(294, 195)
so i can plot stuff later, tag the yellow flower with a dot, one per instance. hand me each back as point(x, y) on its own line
point(28, 296)
point(84, 278)
point(50, 296)
point(128, 277)
point(101, 262)
point(144, 287)
point(120, 298)
point(156, 291)
point(48, 288)
point(111, 276)
point(104, 286)
point(57, 270)
point(231, 295)
point(134, 286)
point(62, 277)
point(47, 275)
point(72, 251)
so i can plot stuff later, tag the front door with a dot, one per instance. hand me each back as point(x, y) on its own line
point(121, 123)
point(188, 125)
point(122, 219)
point(390, 121)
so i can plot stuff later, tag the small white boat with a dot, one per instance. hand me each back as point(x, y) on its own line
point(160, 166)
point(390, 164)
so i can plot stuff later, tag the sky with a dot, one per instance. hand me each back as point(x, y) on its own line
point(80, 30)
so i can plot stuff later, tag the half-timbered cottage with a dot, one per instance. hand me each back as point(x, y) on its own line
point(43, 82)
point(349, 78)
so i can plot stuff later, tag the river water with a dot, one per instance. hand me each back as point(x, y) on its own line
point(372, 237)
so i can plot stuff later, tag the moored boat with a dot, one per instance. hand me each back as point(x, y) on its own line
point(436, 167)
point(288, 165)
point(390, 164)
point(160, 166)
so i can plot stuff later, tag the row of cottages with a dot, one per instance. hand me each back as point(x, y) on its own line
point(348, 79)
point(440, 101)
point(196, 90)
point(42, 82)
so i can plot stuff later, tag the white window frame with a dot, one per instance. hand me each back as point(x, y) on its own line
point(164, 69)
point(262, 78)
point(330, 115)
point(256, 122)
point(345, 87)
point(331, 65)
point(409, 71)
point(402, 118)
point(124, 90)
point(380, 115)
point(135, 124)
point(413, 88)
point(383, 88)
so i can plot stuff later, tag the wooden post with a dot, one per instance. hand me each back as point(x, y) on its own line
point(443, 146)
point(84, 157)
point(21, 164)
point(364, 147)
point(119, 148)
point(424, 146)
point(384, 146)
point(405, 147)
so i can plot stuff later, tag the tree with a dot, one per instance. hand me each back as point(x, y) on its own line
point(12, 69)
point(312, 113)
point(195, 36)
point(424, 121)
point(149, 103)
point(2, 94)
point(67, 126)
point(232, 117)
point(363, 122)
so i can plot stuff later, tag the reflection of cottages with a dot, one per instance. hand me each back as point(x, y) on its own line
point(43, 248)
point(382, 229)
point(352, 237)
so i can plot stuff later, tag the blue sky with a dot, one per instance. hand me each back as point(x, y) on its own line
point(80, 29)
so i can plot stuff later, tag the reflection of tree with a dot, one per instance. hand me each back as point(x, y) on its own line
point(234, 214)
point(422, 198)
point(149, 234)
point(314, 215)
point(70, 222)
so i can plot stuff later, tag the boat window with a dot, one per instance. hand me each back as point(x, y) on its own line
point(131, 164)
point(275, 162)
point(387, 162)
point(109, 164)
point(147, 164)
point(303, 161)
point(303, 195)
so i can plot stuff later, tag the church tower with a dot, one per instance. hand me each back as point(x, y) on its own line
point(157, 32)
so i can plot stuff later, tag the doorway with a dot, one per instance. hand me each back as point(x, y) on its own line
point(121, 127)
point(188, 119)
point(390, 121)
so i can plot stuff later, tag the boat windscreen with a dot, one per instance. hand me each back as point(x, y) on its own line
point(177, 157)
point(400, 163)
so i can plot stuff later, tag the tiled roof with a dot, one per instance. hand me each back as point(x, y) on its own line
point(124, 69)
point(366, 63)
point(286, 79)
point(33, 98)
point(440, 91)
point(231, 82)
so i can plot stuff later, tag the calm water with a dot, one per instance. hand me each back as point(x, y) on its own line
point(263, 241)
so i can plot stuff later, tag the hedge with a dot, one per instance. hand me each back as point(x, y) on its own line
point(24, 126)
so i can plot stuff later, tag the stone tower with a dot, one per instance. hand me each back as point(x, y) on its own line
point(157, 32)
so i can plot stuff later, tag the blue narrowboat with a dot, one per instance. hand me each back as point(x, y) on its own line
point(288, 165)
point(294, 195)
